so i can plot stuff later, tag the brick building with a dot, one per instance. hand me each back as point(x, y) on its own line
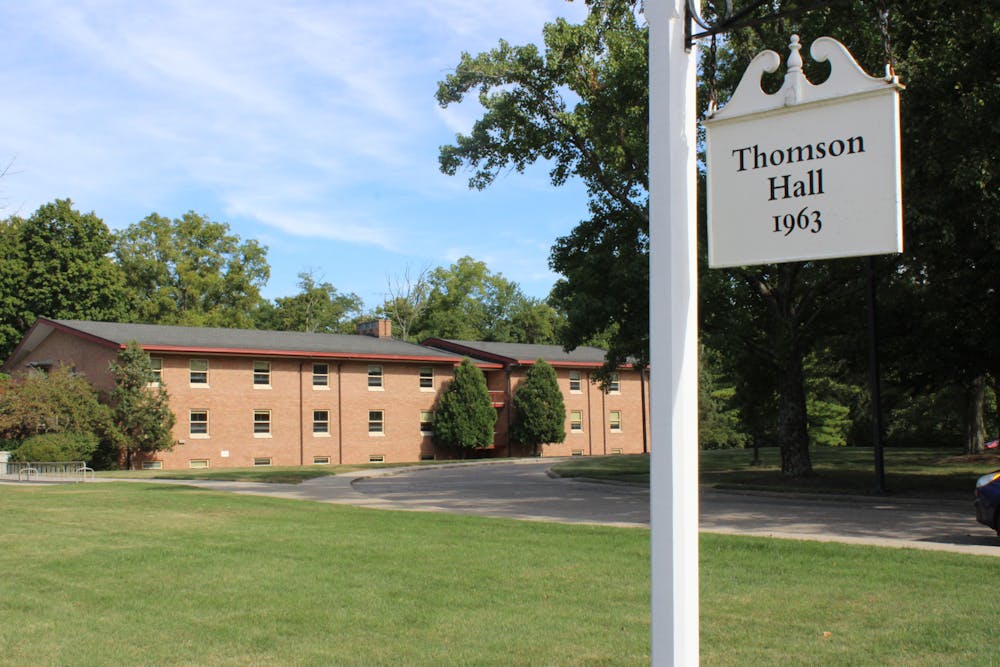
point(247, 397)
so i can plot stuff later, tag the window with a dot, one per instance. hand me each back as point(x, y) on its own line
point(376, 458)
point(262, 374)
point(576, 421)
point(321, 460)
point(198, 423)
point(614, 384)
point(426, 422)
point(374, 377)
point(156, 366)
point(321, 422)
point(321, 376)
point(152, 465)
point(617, 450)
point(198, 371)
point(427, 378)
point(262, 461)
point(198, 463)
point(575, 382)
point(376, 422)
point(615, 421)
point(577, 452)
point(261, 423)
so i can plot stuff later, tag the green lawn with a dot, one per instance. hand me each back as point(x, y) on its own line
point(920, 472)
point(112, 574)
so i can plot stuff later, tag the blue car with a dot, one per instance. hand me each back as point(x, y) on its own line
point(988, 500)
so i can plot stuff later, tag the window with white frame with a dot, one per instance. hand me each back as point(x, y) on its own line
point(321, 376)
point(575, 382)
point(198, 463)
point(262, 461)
point(576, 421)
point(198, 423)
point(376, 458)
point(426, 422)
point(198, 371)
point(427, 377)
point(262, 374)
point(152, 465)
point(156, 367)
point(321, 460)
point(262, 423)
point(376, 422)
point(615, 421)
point(614, 384)
point(374, 377)
point(321, 422)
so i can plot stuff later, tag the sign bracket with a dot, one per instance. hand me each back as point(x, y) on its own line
point(742, 18)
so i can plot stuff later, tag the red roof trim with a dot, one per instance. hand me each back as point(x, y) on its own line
point(263, 352)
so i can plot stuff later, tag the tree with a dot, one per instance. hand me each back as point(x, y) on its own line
point(465, 416)
point(581, 106)
point(467, 301)
point(57, 401)
point(317, 308)
point(56, 263)
point(191, 271)
point(405, 302)
point(539, 410)
point(140, 412)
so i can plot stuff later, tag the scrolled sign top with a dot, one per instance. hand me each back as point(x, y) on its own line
point(846, 78)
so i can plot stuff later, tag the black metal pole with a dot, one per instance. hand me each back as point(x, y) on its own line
point(874, 378)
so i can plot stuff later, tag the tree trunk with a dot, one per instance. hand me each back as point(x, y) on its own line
point(975, 407)
point(793, 434)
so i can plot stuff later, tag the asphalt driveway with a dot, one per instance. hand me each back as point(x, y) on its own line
point(524, 490)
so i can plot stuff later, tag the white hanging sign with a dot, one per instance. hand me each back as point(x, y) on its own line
point(809, 172)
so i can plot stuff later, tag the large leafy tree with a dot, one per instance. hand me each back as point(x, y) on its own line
point(464, 417)
point(467, 301)
point(58, 401)
point(317, 308)
point(56, 263)
point(191, 271)
point(539, 409)
point(140, 411)
point(581, 106)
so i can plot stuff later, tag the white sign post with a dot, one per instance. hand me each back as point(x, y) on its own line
point(809, 172)
point(673, 481)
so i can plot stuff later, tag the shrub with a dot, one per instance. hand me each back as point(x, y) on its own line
point(65, 446)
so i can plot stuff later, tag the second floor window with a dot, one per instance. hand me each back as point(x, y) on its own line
point(614, 384)
point(426, 377)
point(198, 371)
point(374, 376)
point(575, 382)
point(321, 375)
point(262, 373)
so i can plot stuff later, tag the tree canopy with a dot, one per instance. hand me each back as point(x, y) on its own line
point(464, 416)
point(539, 409)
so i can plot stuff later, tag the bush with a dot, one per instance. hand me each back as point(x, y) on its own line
point(65, 446)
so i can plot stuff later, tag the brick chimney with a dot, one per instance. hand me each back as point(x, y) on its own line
point(376, 328)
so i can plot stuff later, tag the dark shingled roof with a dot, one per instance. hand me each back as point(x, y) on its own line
point(208, 339)
point(520, 352)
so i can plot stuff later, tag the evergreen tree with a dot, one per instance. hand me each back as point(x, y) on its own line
point(140, 412)
point(465, 417)
point(539, 410)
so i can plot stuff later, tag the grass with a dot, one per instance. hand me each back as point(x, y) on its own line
point(927, 472)
point(109, 574)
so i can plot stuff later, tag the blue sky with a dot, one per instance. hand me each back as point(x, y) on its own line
point(309, 126)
